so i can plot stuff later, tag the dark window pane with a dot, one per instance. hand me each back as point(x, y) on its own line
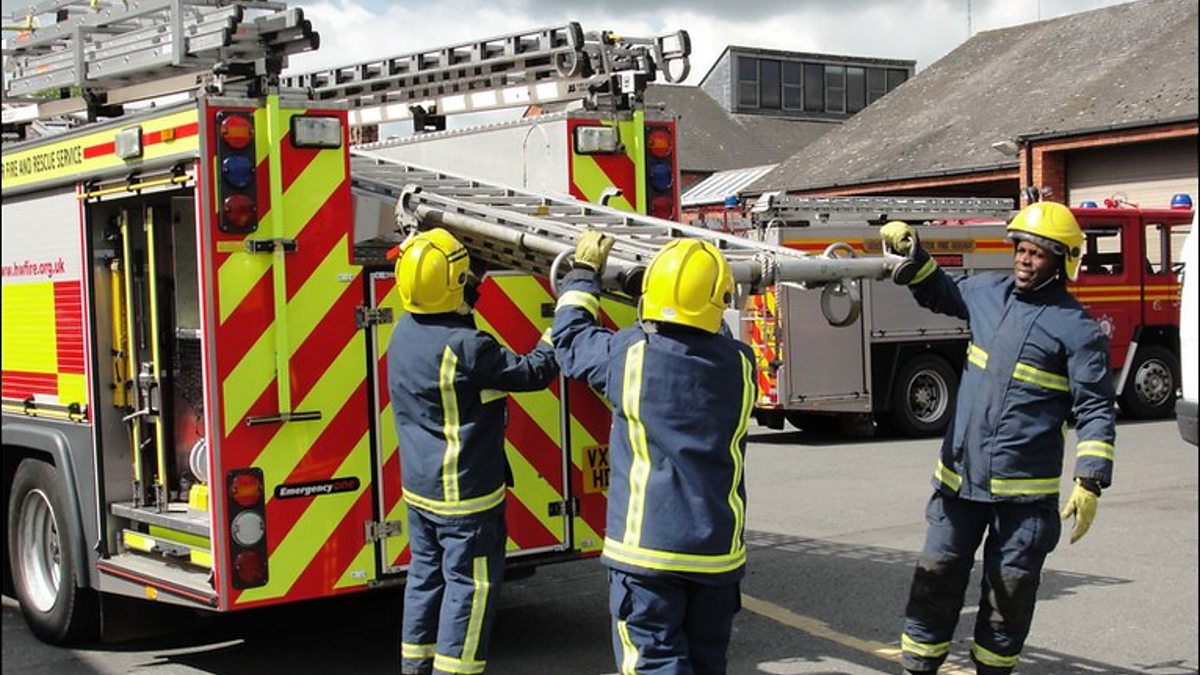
point(876, 84)
point(856, 89)
point(814, 87)
point(768, 84)
point(895, 78)
point(748, 94)
point(835, 89)
point(793, 97)
point(792, 72)
point(747, 69)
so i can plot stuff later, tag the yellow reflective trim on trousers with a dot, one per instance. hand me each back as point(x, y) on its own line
point(947, 477)
point(923, 649)
point(449, 424)
point(736, 503)
point(411, 651)
point(668, 561)
point(592, 182)
point(1042, 378)
point(922, 274)
point(1025, 486)
point(301, 544)
point(304, 197)
point(482, 587)
point(1095, 449)
point(990, 658)
point(579, 299)
point(977, 355)
point(629, 651)
point(450, 664)
point(639, 471)
point(458, 507)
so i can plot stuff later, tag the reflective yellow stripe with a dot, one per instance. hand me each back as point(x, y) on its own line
point(977, 355)
point(489, 395)
point(449, 425)
point(923, 274)
point(1024, 486)
point(479, 600)
point(450, 664)
point(1095, 449)
point(668, 561)
point(629, 652)
point(947, 477)
point(137, 541)
point(411, 651)
point(1042, 378)
point(736, 503)
point(990, 658)
point(639, 471)
point(929, 651)
point(456, 507)
point(580, 299)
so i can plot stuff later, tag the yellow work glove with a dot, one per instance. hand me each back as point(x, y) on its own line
point(591, 250)
point(899, 236)
point(1082, 504)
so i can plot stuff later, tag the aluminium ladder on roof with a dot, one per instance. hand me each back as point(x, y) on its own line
point(774, 208)
point(543, 65)
point(122, 44)
point(529, 231)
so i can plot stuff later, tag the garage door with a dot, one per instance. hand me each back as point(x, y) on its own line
point(1146, 173)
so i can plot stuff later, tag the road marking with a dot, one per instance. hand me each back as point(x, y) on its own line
point(818, 628)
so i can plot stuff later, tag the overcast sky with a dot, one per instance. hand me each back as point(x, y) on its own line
point(922, 30)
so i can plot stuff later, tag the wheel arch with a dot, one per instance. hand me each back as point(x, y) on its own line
point(26, 441)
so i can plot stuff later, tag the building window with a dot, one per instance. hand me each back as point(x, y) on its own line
point(768, 84)
point(835, 89)
point(856, 89)
point(814, 87)
point(747, 82)
point(793, 85)
point(876, 84)
point(895, 78)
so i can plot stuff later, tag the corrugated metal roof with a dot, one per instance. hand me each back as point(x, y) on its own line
point(722, 184)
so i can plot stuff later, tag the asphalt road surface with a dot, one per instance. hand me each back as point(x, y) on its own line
point(834, 526)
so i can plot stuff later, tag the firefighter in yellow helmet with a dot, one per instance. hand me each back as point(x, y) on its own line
point(682, 390)
point(446, 381)
point(1035, 362)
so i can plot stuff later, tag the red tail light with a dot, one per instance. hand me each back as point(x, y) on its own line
point(237, 131)
point(250, 568)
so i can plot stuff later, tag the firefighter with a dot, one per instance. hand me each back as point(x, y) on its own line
point(682, 390)
point(446, 380)
point(1036, 361)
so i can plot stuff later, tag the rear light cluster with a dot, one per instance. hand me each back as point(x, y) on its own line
point(661, 191)
point(247, 528)
point(237, 191)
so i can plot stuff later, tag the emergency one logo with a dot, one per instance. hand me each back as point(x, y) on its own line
point(1106, 326)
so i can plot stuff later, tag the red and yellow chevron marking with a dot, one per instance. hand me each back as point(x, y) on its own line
point(761, 312)
point(313, 543)
point(43, 346)
point(590, 175)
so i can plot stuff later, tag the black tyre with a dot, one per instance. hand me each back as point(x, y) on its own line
point(1152, 383)
point(43, 559)
point(923, 396)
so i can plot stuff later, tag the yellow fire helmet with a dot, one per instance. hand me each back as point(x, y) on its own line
point(431, 273)
point(1051, 226)
point(688, 282)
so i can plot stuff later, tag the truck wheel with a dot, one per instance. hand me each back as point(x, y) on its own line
point(42, 558)
point(923, 396)
point(1149, 391)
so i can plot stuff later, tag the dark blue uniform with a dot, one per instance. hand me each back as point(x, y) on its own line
point(446, 380)
point(1035, 363)
point(674, 546)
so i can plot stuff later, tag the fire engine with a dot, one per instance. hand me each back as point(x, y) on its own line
point(888, 360)
point(196, 301)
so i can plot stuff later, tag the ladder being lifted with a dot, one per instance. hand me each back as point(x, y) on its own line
point(534, 232)
point(775, 208)
point(543, 65)
point(120, 51)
